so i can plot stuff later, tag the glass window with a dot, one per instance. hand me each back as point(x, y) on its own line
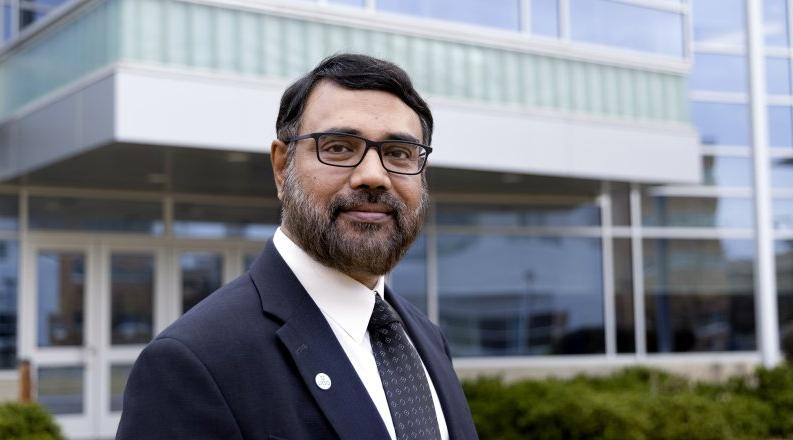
point(727, 171)
point(202, 274)
point(699, 295)
point(9, 212)
point(780, 126)
point(716, 72)
point(585, 213)
point(782, 173)
point(623, 296)
point(60, 389)
point(504, 295)
point(697, 212)
point(409, 277)
point(9, 266)
point(783, 213)
point(776, 29)
point(119, 373)
point(604, 22)
point(224, 221)
point(7, 31)
point(719, 22)
point(721, 124)
point(545, 17)
point(29, 16)
point(132, 297)
point(620, 204)
point(104, 215)
point(61, 297)
point(777, 76)
point(499, 13)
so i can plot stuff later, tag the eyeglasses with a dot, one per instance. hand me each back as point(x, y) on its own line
point(347, 150)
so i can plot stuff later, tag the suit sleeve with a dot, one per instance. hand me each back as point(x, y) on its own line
point(171, 395)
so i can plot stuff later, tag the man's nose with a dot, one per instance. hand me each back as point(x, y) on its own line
point(370, 173)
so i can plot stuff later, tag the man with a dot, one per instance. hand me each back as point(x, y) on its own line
point(310, 344)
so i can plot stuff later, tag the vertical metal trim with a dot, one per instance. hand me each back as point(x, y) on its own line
point(525, 17)
point(607, 246)
point(168, 215)
point(25, 338)
point(564, 20)
point(765, 266)
point(637, 258)
point(433, 304)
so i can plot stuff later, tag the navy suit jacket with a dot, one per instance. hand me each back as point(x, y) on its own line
point(242, 364)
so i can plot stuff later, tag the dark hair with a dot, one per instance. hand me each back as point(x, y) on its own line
point(356, 72)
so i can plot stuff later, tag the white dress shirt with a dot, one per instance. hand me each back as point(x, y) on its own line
point(347, 306)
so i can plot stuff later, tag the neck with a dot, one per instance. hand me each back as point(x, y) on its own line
point(365, 278)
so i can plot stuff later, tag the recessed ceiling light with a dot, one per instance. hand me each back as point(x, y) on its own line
point(237, 157)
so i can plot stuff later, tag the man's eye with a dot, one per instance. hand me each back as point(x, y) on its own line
point(398, 153)
point(337, 148)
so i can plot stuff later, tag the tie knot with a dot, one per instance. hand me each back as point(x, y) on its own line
point(382, 315)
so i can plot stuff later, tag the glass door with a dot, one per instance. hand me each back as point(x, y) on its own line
point(57, 334)
point(131, 294)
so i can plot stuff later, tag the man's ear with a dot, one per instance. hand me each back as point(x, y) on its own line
point(278, 155)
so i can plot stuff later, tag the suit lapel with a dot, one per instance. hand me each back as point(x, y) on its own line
point(439, 367)
point(315, 350)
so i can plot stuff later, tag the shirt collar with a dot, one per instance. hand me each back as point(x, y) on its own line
point(340, 298)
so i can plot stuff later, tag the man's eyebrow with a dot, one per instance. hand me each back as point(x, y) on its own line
point(393, 136)
point(345, 130)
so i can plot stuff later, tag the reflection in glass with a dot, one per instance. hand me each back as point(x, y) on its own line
point(9, 266)
point(623, 296)
point(60, 389)
point(728, 212)
point(9, 212)
point(719, 22)
point(778, 76)
point(223, 221)
point(520, 295)
point(782, 173)
point(61, 292)
point(699, 295)
point(782, 210)
point(727, 171)
point(716, 72)
point(7, 22)
point(132, 297)
point(650, 30)
point(503, 14)
point(584, 213)
point(409, 277)
point(721, 124)
point(118, 381)
point(780, 126)
point(72, 213)
point(775, 23)
point(620, 204)
point(545, 17)
point(202, 274)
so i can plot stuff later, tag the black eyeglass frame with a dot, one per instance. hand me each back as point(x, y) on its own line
point(369, 144)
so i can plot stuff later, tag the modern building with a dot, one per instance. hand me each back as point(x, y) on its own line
point(596, 198)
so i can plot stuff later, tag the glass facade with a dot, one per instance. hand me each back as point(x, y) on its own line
point(502, 14)
point(651, 30)
point(721, 123)
point(699, 295)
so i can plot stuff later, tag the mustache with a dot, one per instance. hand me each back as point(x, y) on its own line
point(356, 199)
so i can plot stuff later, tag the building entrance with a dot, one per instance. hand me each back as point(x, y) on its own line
point(90, 305)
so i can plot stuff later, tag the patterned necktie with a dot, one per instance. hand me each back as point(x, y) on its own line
point(402, 374)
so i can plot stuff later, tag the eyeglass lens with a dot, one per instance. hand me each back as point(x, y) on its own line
point(399, 156)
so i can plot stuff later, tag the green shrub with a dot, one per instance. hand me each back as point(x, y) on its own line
point(27, 421)
point(636, 403)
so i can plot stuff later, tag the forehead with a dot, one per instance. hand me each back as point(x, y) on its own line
point(373, 112)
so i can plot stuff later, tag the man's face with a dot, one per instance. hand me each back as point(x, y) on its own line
point(359, 220)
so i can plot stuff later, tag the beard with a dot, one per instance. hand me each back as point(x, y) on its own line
point(346, 245)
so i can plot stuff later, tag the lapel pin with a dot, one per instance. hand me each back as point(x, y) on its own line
point(323, 381)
